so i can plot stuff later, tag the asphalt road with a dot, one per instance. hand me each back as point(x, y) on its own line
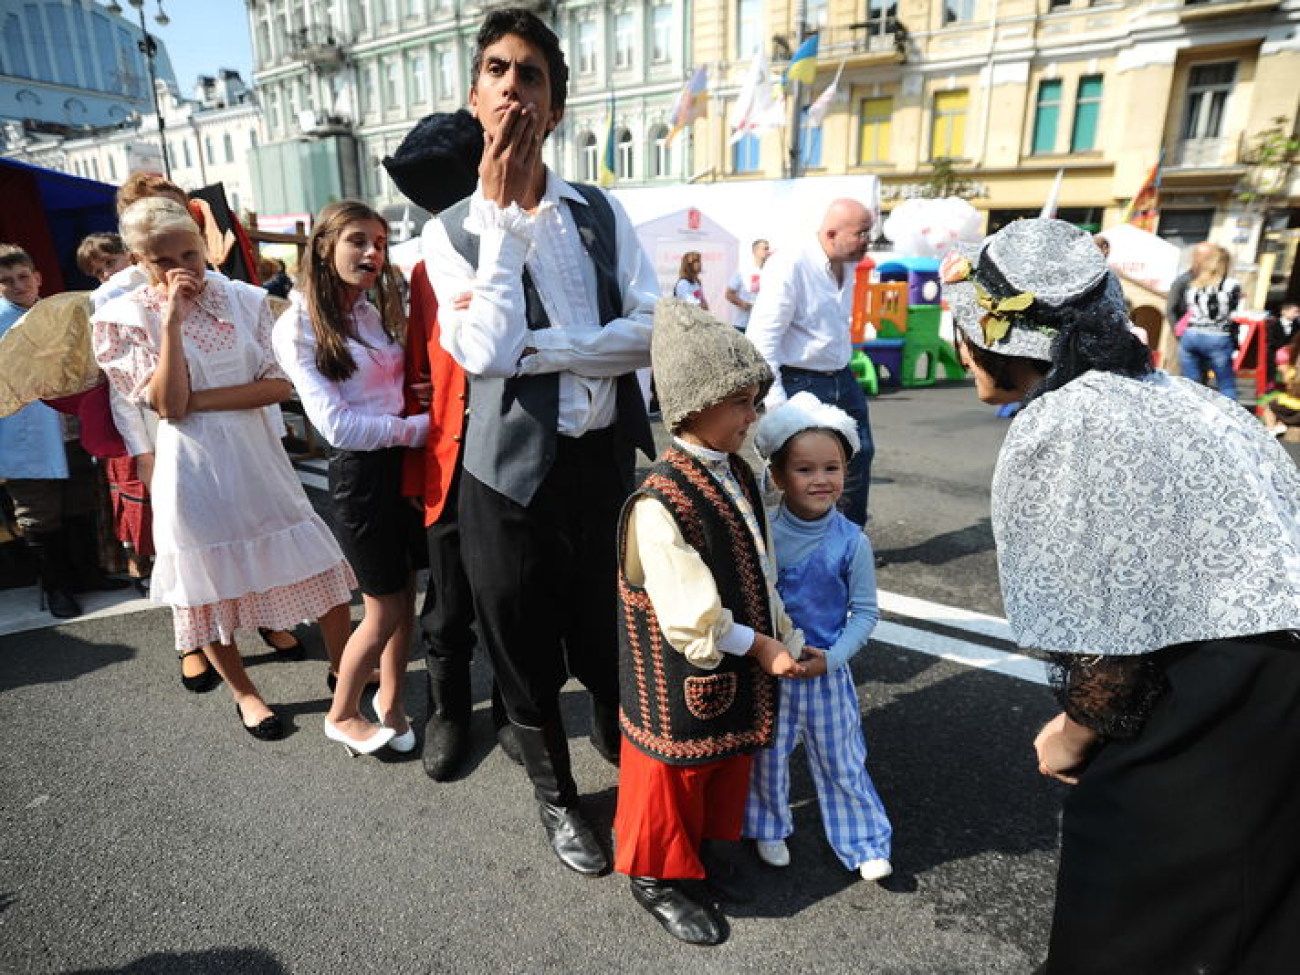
point(144, 832)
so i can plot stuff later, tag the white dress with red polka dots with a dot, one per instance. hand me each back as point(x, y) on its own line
point(239, 545)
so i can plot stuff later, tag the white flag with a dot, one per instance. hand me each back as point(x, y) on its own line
point(756, 108)
point(1049, 206)
point(817, 111)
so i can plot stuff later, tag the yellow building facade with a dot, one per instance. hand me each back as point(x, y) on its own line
point(1012, 91)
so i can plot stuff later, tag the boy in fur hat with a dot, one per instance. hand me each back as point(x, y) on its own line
point(703, 627)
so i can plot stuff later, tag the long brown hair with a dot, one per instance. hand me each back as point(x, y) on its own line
point(686, 269)
point(324, 292)
point(1210, 264)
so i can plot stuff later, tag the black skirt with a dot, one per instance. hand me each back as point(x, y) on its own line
point(1180, 848)
point(381, 534)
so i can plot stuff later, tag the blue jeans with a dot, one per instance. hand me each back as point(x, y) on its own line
point(841, 389)
point(1199, 351)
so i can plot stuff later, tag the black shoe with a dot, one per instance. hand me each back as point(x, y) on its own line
point(61, 603)
point(446, 735)
point(199, 683)
point(509, 743)
point(572, 840)
point(96, 581)
point(605, 735)
point(268, 729)
point(294, 652)
point(881, 561)
point(506, 737)
point(445, 745)
point(723, 877)
point(683, 916)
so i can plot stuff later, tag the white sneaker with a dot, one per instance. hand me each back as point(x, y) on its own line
point(877, 869)
point(774, 853)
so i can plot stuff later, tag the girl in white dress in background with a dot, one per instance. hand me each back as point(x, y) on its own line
point(238, 544)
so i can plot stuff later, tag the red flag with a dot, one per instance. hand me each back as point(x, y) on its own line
point(1144, 209)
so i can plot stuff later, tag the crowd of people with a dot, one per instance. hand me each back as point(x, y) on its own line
point(489, 431)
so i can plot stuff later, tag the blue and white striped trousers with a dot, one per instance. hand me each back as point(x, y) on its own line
point(823, 713)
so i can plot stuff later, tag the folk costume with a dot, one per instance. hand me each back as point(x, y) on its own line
point(695, 584)
point(239, 545)
point(557, 325)
point(1148, 535)
point(827, 581)
point(436, 166)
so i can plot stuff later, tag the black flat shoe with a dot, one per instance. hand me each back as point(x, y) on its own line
point(268, 729)
point(572, 840)
point(680, 914)
point(199, 683)
point(295, 652)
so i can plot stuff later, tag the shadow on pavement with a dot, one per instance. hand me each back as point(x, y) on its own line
point(217, 961)
point(944, 548)
point(36, 657)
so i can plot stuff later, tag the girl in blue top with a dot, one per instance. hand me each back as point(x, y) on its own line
point(827, 580)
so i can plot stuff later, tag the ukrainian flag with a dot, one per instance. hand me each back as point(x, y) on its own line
point(803, 66)
point(608, 167)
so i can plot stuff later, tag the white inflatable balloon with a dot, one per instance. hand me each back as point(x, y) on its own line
point(930, 228)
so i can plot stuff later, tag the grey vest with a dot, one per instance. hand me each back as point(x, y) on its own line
point(510, 435)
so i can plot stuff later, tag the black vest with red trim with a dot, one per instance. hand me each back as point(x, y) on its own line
point(671, 709)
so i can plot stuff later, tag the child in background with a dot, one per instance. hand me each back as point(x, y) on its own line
point(100, 256)
point(703, 627)
point(827, 582)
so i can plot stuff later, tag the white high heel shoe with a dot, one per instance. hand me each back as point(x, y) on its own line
point(367, 747)
point(402, 744)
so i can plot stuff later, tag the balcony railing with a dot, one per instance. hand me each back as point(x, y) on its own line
point(1219, 152)
point(318, 46)
point(879, 35)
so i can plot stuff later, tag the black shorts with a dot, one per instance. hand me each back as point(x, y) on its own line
point(381, 535)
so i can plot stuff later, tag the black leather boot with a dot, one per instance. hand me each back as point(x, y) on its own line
point(546, 757)
point(505, 730)
point(83, 556)
point(605, 735)
point(446, 734)
point(686, 917)
point(56, 577)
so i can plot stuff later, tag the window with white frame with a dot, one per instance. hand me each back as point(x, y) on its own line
point(590, 153)
point(228, 147)
point(958, 11)
point(815, 14)
point(624, 39)
point(392, 88)
point(418, 78)
point(586, 47)
point(446, 75)
point(1208, 88)
point(661, 153)
point(749, 27)
point(661, 32)
point(624, 162)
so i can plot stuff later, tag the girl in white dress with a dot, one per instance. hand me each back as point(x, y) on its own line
point(345, 357)
point(238, 543)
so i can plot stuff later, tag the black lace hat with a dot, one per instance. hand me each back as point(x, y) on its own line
point(1010, 294)
point(437, 163)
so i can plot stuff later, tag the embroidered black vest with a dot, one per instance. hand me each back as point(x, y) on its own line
point(670, 709)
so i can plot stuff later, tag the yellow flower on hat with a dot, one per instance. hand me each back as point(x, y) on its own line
point(997, 323)
point(954, 268)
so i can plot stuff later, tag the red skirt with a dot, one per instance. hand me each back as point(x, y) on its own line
point(132, 511)
point(665, 811)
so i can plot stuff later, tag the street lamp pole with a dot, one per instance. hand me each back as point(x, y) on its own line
point(149, 48)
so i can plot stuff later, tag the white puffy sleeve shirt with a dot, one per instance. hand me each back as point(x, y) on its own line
point(364, 411)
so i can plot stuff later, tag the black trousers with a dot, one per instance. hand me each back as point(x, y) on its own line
point(544, 576)
point(447, 616)
point(1180, 848)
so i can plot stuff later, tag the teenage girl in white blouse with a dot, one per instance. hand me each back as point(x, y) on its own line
point(345, 358)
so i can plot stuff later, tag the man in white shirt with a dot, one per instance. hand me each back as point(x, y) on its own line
point(800, 325)
point(742, 289)
point(558, 322)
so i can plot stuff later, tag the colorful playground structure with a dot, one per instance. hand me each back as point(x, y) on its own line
point(903, 308)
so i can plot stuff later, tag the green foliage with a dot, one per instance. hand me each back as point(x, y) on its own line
point(1269, 158)
point(945, 181)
